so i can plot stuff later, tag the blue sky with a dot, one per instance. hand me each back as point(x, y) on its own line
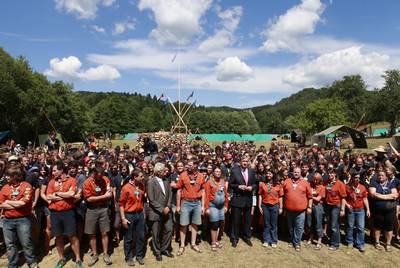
point(234, 53)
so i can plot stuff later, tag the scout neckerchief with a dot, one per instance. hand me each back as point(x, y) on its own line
point(269, 185)
point(330, 185)
point(295, 183)
point(14, 191)
point(98, 188)
point(384, 186)
point(215, 185)
point(356, 191)
point(137, 192)
point(60, 182)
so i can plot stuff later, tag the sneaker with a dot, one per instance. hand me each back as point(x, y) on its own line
point(140, 261)
point(265, 244)
point(107, 259)
point(130, 262)
point(273, 246)
point(361, 249)
point(60, 263)
point(92, 260)
point(333, 248)
point(79, 264)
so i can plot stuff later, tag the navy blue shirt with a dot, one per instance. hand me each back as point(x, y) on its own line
point(384, 189)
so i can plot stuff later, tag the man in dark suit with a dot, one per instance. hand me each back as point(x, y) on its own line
point(242, 183)
point(159, 195)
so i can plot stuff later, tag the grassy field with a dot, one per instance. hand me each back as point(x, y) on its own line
point(256, 256)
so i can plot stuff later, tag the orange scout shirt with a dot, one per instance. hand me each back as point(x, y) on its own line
point(131, 198)
point(92, 187)
point(21, 192)
point(191, 186)
point(211, 188)
point(318, 191)
point(66, 184)
point(270, 193)
point(296, 194)
point(335, 192)
point(355, 196)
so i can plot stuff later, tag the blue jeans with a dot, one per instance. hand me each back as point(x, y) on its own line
point(355, 219)
point(296, 226)
point(333, 215)
point(270, 232)
point(315, 221)
point(135, 230)
point(15, 230)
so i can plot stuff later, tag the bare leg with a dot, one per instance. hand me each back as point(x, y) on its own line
point(377, 236)
point(75, 247)
point(388, 236)
point(93, 245)
point(182, 233)
point(104, 241)
point(194, 234)
point(47, 235)
point(60, 246)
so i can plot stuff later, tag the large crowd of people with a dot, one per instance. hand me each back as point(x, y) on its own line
point(192, 193)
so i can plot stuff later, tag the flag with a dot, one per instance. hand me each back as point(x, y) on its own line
point(173, 59)
point(190, 96)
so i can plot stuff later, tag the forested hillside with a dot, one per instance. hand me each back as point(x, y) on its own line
point(29, 101)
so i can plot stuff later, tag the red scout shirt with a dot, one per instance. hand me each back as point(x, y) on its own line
point(19, 192)
point(270, 193)
point(211, 188)
point(296, 194)
point(355, 196)
point(92, 187)
point(335, 192)
point(131, 198)
point(66, 184)
point(191, 186)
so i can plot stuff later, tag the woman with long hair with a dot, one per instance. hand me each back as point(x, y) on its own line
point(216, 204)
point(270, 203)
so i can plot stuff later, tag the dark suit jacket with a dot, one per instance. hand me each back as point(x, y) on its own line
point(242, 198)
point(157, 199)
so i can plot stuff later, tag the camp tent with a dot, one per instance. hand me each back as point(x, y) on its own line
point(396, 141)
point(43, 137)
point(357, 136)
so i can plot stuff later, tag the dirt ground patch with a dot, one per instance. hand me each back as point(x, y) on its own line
point(256, 256)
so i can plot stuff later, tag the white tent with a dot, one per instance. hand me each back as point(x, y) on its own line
point(396, 141)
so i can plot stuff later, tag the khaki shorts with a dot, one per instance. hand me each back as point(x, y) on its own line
point(97, 216)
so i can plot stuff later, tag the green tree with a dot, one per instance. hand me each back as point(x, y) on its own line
point(321, 114)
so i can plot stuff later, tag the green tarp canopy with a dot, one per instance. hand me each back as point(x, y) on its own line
point(233, 137)
point(379, 131)
point(43, 137)
point(358, 137)
point(131, 136)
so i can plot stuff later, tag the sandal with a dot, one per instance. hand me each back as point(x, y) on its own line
point(297, 248)
point(196, 248)
point(180, 251)
point(214, 247)
point(389, 248)
point(318, 247)
point(218, 245)
point(378, 246)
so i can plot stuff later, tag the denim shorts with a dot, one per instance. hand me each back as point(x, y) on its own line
point(190, 210)
point(216, 214)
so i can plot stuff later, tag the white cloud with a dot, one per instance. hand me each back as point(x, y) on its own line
point(98, 29)
point(233, 69)
point(298, 21)
point(70, 69)
point(177, 20)
point(328, 67)
point(223, 37)
point(145, 54)
point(83, 9)
point(121, 27)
